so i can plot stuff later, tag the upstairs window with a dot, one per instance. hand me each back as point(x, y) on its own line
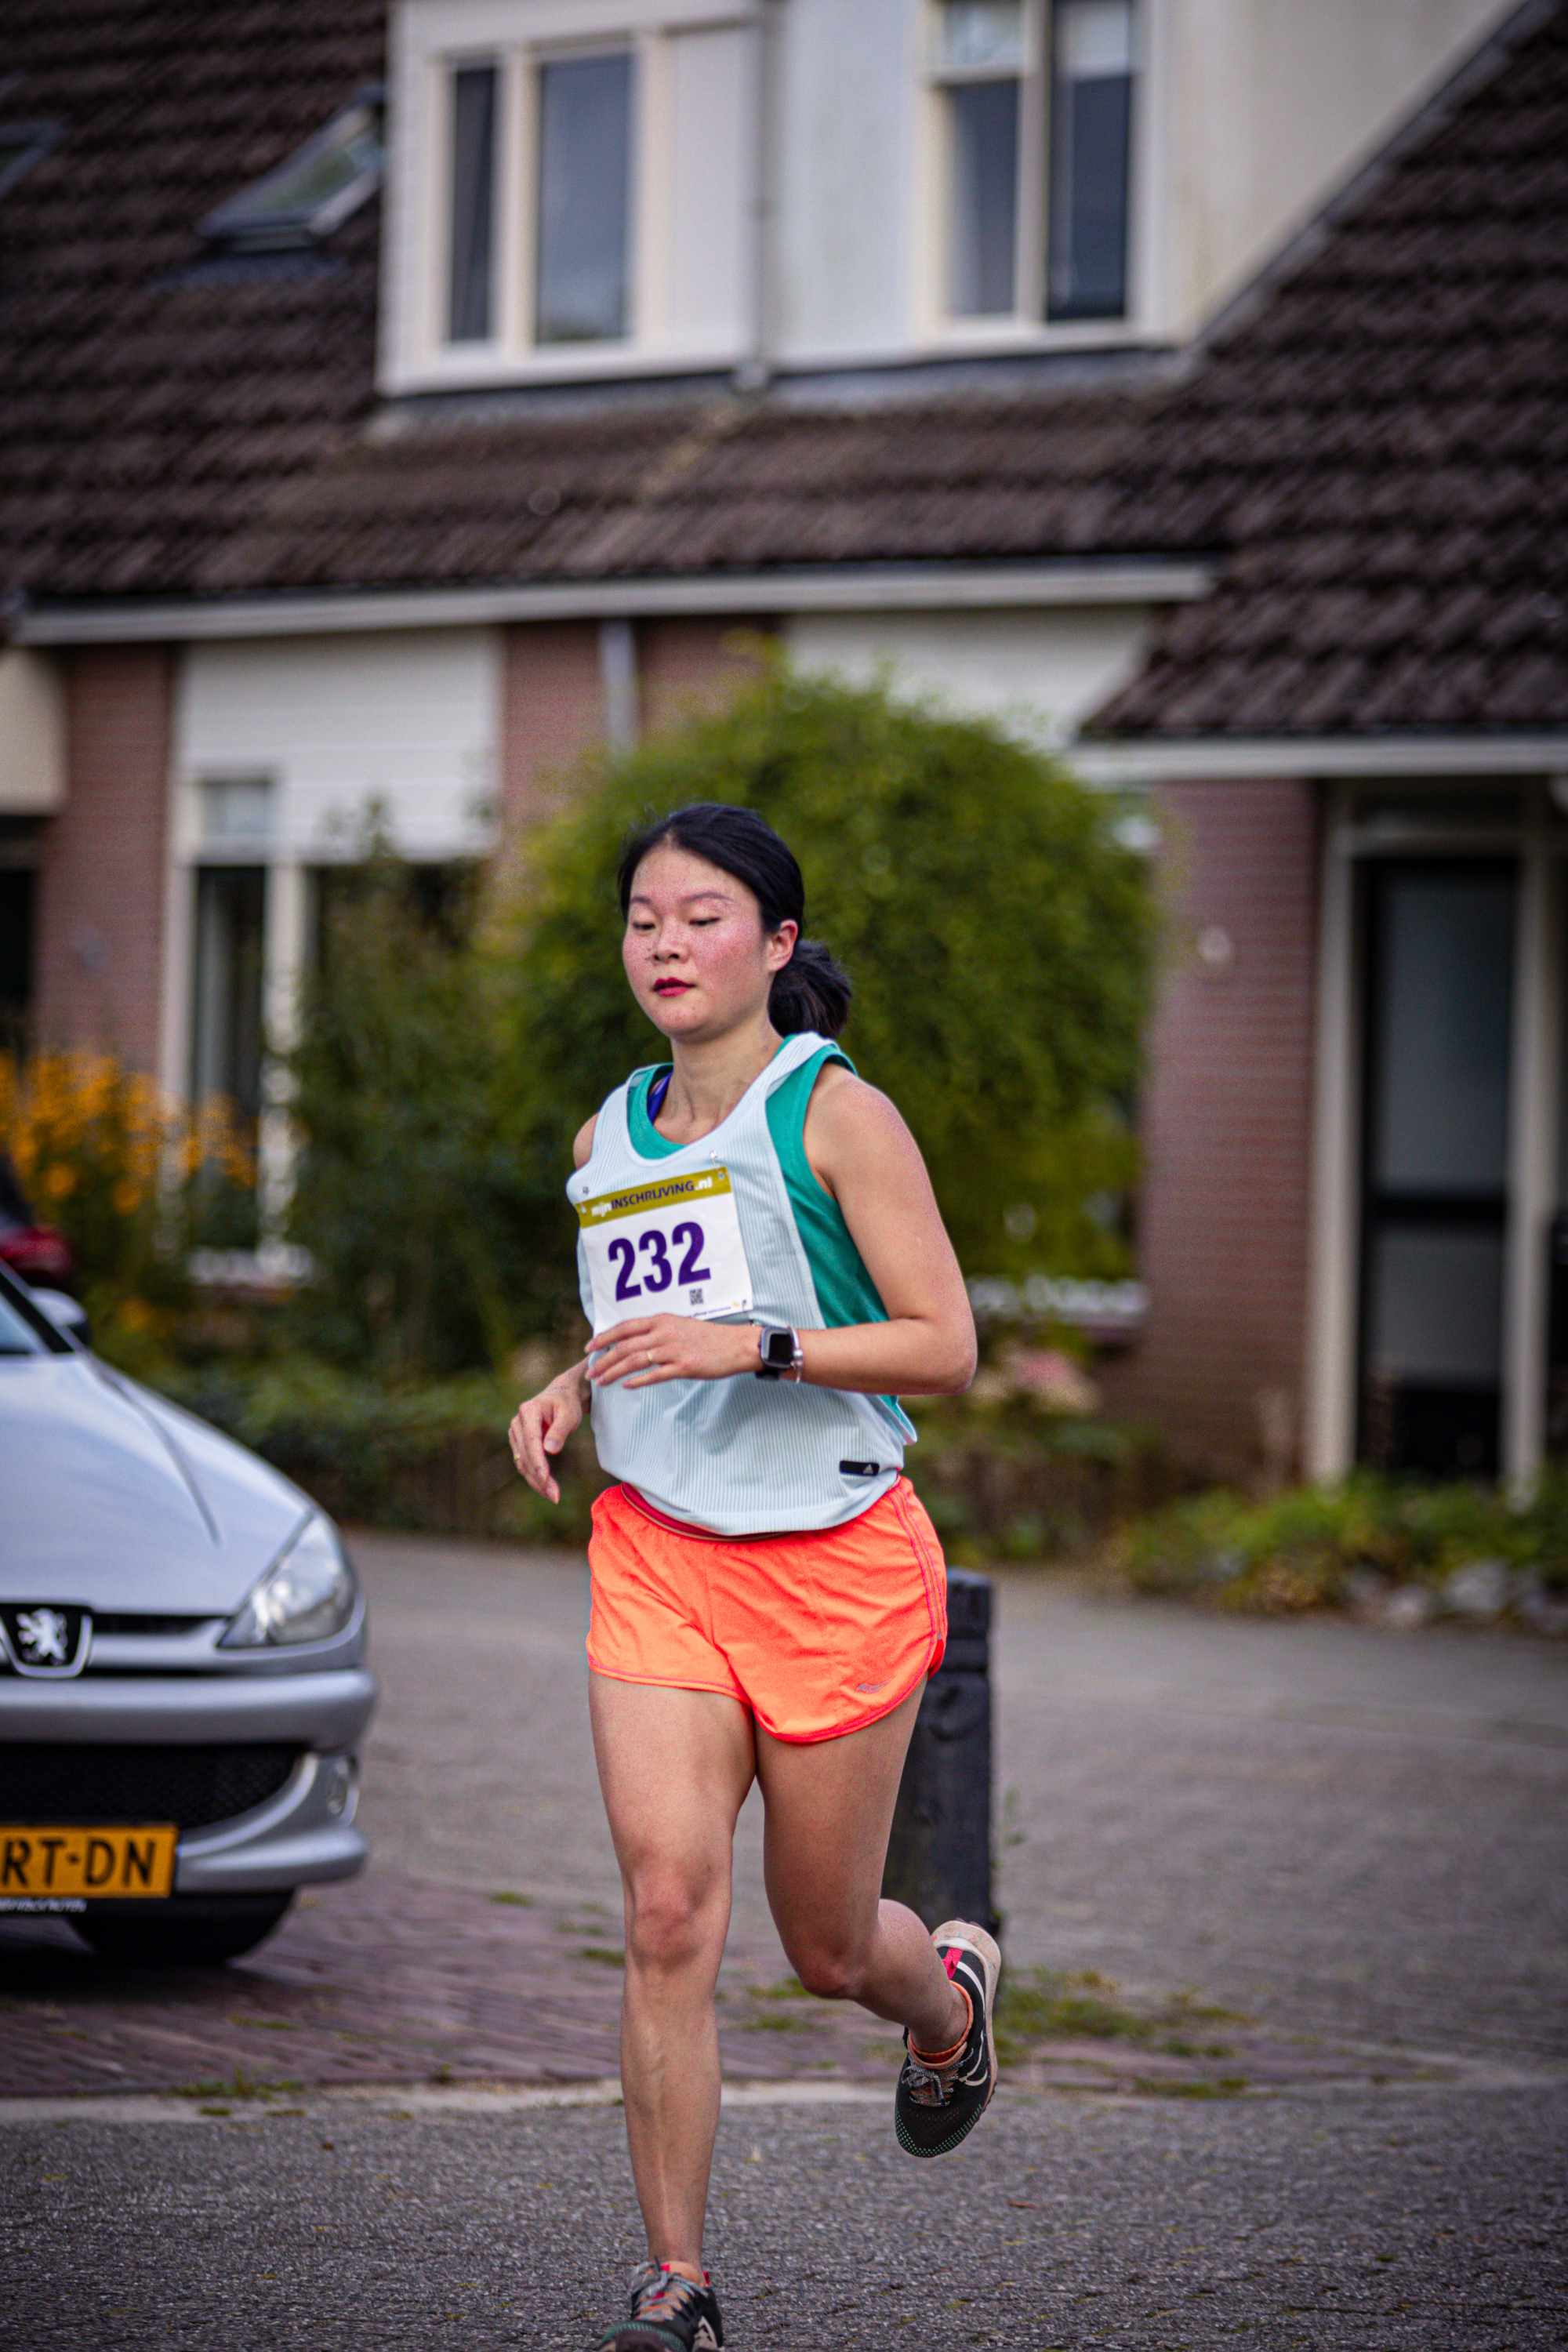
point(577, 133)
point(582, 209)
point(1090, 157)
point(1035, 101)
point(981, 60)
point(471, 241)
point(574, 189)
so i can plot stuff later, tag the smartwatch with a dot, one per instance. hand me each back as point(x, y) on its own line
point(780, 1351)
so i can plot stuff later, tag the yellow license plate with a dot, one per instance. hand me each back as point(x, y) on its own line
point(87, 1861)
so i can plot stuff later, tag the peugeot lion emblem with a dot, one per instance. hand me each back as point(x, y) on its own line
point(46, 1638)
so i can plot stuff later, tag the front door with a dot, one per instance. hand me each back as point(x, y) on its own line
point(1439, 1009)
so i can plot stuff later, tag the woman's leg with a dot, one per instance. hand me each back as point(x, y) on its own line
point(829, 1811)
point(675, 1767)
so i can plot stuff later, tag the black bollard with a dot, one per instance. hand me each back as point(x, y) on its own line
point(939, 1855)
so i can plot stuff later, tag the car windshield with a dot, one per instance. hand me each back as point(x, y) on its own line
point(25, 1329)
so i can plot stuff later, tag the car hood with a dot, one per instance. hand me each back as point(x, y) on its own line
point(113, 1498)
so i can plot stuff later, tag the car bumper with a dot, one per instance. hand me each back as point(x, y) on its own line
point(302, 1835)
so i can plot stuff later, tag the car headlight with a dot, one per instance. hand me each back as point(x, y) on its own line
point(307, 1595)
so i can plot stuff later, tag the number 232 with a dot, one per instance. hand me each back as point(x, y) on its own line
point(659, 1274)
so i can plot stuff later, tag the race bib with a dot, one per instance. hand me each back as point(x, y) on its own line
point(671, 1247)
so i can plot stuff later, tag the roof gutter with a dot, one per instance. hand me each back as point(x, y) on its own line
point(839, 588)
point(1259, 759)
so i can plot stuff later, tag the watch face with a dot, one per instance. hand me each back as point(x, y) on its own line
point(779, 1348)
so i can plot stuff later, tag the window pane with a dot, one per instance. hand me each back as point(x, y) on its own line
point(1435, 1306)
point(471, 297)
point(236, 808)
point(1092, 121)
point(980, 33)
point(983, 129)
point(1442, 1012)
point(585, 177)
point(226, 1029)
point(16, 899)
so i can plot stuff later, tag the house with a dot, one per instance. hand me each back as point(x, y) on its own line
point(395, 402)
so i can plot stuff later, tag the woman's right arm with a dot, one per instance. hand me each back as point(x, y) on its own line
point(540, 1427)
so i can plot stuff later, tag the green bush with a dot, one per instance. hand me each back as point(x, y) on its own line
point(432, 1458)
point(404, 1195)
point(1303, 1549)
point(998, 936)
point(1000, 941)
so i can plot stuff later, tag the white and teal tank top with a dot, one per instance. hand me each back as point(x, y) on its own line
point(733, 1228)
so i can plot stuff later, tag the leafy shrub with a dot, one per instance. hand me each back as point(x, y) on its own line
point(1301, 1549)
point(131, 1176)
point(999, 938)
point(432, 1458)
point(405, 1197)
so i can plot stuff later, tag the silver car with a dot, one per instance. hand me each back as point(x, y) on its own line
point(182, 1683)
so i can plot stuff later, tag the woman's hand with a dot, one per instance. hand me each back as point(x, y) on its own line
point(654, 1347)
point(540, 1428)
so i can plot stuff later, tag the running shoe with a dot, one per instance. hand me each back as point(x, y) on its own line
point(668, 2313)
point(935, 2106)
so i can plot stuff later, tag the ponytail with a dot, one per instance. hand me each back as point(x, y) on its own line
point(812, 991)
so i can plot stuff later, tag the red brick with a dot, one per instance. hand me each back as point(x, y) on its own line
point(692, 665)
point(552, 697)
point(102, 879)
point(1226, 1128)
point(552, 712)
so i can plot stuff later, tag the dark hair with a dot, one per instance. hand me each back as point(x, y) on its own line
point(811, 990)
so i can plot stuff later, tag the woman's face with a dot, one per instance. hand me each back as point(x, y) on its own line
point(697, 958)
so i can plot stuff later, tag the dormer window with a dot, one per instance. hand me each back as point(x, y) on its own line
point(21, 145)
point(575, 188)
point(578, 136)
point(312, 193)
point(1091, 158)
point(471, 244)
point(583, 233)
point(1035, 107)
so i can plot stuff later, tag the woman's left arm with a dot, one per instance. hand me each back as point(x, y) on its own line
point(861, 1152)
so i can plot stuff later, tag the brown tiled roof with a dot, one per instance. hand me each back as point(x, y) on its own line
point(150, 397)
point(1383, 449)
point(715, 485)
point(1379, 452)
point(175, 426)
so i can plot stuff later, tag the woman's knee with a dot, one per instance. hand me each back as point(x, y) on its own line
point(673, 1922)
point(831, 1969)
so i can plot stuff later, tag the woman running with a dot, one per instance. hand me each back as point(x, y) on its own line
point(764, 1269)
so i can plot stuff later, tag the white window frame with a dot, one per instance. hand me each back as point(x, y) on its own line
point(935, 326)
point(431, 39)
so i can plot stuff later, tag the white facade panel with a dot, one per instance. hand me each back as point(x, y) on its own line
point(1271, 105)
point(32, 733)
point(711, 210)
point(1041, 671)
point(408, 719)
point(844, 115)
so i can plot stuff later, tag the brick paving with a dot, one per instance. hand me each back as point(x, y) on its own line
point(388, 1980)
point(398, 1980)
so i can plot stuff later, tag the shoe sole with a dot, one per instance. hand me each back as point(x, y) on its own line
point(963, 1932)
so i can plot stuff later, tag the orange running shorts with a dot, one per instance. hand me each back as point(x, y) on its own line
point(818, 1633)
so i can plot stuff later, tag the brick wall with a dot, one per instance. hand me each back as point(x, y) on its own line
point(553, 695)
point(1227, 1130)
point(691, 664)
point(552, 711)
point(100, 887)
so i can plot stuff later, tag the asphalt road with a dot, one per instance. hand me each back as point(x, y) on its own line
point(1356, 1837)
